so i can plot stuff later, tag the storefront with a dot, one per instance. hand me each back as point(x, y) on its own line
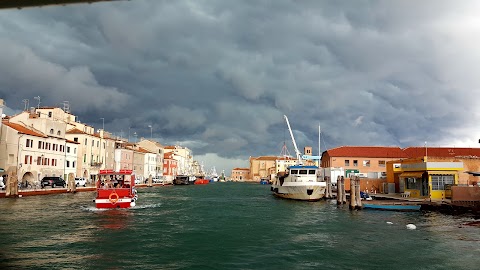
point(428, 179)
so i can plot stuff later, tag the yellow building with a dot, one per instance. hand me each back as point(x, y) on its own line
point(420, 179)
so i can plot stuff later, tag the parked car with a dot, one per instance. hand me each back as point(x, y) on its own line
point(80, 181)
point(137, 180)
point(53, 181)
point(157, 179)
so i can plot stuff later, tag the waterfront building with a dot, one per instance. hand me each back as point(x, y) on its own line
point(150, 163)
point(90, 156)
point(422, 178)
point(470, 157)
point(123, 156)
point(240, 174)
point(138, 160)
point(261, 167)
point(169, 167)
point(34, 145)
point(362, 161)
point(184, 158)
point(158, 149)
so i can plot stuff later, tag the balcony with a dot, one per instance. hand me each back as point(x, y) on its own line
point(96, 164)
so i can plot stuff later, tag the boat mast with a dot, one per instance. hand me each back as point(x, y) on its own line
point(299, 155)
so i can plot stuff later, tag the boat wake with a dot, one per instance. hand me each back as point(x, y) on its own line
point(137, 207)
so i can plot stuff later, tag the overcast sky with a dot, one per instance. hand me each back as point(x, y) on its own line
point(217, 76)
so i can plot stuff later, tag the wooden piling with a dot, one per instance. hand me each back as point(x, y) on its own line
point(344, 193)
point(353, 193)
point(328, 191)
point(358, 199)
point(339, 190)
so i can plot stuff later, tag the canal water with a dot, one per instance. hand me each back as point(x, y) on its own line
point(226, 226)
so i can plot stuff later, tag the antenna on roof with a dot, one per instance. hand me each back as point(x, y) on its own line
point(27, 103)
point(37, 98)
point(66, 106)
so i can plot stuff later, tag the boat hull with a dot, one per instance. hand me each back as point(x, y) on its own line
point(303, 193)
point(120, 203)
point(392, 207)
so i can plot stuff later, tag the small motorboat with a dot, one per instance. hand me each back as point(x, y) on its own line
point(392, 205)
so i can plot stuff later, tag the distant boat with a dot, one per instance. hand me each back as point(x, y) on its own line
point(201, 181)
point(392, 206)
point(181, 180)
point(264, 181)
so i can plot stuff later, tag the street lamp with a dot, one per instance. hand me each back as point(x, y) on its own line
point(135, 135)
point(103, 124)
point(151, 131)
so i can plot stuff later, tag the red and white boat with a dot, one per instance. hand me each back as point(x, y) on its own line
point(116, 189)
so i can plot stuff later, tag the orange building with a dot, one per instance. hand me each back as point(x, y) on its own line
point(240, 174)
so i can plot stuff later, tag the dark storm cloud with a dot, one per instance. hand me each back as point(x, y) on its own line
point(217, 76)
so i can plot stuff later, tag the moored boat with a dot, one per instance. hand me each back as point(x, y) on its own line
point(299, 183)
point(116, 189)
point(181, 180)
point(392, 206)
point(201, 181)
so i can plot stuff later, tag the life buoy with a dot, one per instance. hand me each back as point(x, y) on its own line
point(113, 197)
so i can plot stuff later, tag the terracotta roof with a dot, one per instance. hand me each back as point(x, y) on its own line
point(267, 158)
point(413, 152)
point(68, 141)
point(169, 147)
point(143, 150)
point(168, 155)
point(76, 131)
point(241, 169)
point(24, 130)
point(367, 151)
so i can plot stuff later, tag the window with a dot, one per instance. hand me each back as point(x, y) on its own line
point(84, 158)
point(75, 139)
point(51, 131)
point(381, 163)
point(312, 172)
point(73, 164)
point(39, 160)
point(85, 141)
point(294, 171)
point(28, 159)
point(68, 163)
point(49, 114)
point(59, 133)
point(303, 171)
point(347, 163)
point(355, 163)
point(39, 145)
point(98, 144)
point(366, 163)
point(439, 181)
point(10, 158)
point(68, 149)
point(93, 143)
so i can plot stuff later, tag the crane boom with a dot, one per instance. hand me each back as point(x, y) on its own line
point(299, 155)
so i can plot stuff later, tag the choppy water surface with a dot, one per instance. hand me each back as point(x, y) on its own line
point(226, 226)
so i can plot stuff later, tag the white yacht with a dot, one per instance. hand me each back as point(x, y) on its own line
point(298, 182)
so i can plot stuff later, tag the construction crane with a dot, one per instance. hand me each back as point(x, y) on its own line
point(299, 155)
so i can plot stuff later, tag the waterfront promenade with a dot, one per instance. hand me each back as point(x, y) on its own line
point(48, 190)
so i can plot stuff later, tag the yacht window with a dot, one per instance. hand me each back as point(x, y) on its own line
point(312, 172)
point(294, 171)
point(303, 171)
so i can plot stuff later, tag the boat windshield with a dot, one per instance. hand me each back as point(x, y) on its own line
point(303, 172)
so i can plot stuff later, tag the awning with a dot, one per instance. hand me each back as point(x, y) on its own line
point(411, 174)
point(442, 172)
point(2, 170)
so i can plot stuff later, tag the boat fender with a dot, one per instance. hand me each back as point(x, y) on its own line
point(113, 198)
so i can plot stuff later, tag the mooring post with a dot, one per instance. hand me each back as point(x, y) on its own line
point(328, 193)
point(353, 193)
point(339, 190)
point(357, 196)
point(344, 193)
